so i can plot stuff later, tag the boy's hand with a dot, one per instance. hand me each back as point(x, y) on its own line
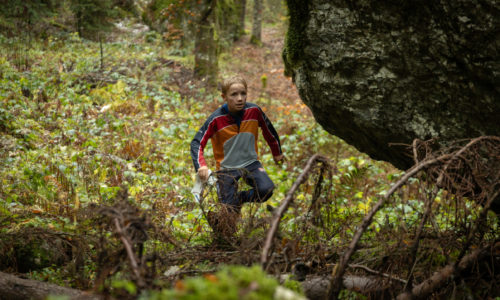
point(279, 159)
point(203, 173)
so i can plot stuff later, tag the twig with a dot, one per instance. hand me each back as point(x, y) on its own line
point(480, 220)
point(284, 206)
point(101, 52)
point(415, 150)
point(414, 247)
point(130, 253)
point(355, 266)
point(460, 152)
point(194, 272)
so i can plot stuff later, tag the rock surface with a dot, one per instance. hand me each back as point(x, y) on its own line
point(381, 73)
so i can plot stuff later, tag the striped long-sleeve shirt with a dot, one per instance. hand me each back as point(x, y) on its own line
point(234, 137)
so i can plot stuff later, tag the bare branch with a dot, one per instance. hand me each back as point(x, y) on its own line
point(371, 271)
point(416, 242)
point(339, 271)
point(130, 253)
point(285, 203)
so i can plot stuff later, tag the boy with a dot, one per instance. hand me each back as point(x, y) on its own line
point(233, 129)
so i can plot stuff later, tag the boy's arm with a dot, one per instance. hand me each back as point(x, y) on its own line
point(198, 144)
point(271, 137)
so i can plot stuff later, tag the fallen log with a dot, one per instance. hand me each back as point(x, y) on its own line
point(318, 287)
point(15, 288)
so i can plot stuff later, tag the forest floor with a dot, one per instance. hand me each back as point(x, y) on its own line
point(91, 149)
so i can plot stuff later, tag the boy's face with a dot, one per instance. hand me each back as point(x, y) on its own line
point(236, 97)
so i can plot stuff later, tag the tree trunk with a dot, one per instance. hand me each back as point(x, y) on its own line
point(229, 27)
point(257, 23)
point(242, 8)
point(14, 288)
point(205, 52)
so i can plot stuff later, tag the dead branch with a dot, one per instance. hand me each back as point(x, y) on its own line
point(477, 226)
point(439, 279)
point(460, 152)
point(130, 227)
point(371, 271)
point(339, 271)
point(444, 161)
point(130, 253)
point(416, 242)
point(415, 150)
point(284, 205)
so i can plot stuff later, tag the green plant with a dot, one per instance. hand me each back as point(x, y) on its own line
point(231, 282)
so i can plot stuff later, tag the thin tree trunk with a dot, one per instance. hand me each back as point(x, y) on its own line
point(257, 23)
point(205, 52)
point(243, 8)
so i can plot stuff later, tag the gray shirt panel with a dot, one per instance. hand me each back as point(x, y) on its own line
point(239, 151)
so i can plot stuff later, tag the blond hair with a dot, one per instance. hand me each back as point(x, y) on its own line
point(226, 84)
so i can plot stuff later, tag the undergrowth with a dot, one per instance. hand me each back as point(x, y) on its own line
point(77, 128)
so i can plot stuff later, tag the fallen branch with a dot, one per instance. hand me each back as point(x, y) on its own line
point(439, 279)
point(285, 204)
point(14, 288)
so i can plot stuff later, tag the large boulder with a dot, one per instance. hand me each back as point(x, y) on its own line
point(381, 73)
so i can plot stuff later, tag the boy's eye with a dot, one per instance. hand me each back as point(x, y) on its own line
point(238, 93)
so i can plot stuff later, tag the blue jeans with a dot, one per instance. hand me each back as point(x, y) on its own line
point(254, 175)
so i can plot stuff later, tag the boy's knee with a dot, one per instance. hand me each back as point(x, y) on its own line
point(265, 192)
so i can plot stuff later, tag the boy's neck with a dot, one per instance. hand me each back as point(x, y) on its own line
point(234, 113)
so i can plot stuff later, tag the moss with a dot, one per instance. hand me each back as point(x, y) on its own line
point(298, 11)
point(255, 41)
